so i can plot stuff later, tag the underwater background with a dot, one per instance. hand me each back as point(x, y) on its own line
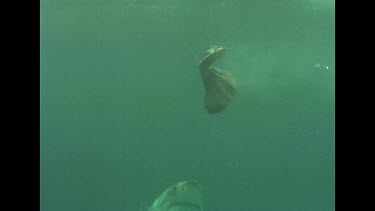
point(121, 104)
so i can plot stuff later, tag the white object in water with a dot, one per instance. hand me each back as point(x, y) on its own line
point(318, 66)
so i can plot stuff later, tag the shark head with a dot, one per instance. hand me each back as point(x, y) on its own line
point(183, 196)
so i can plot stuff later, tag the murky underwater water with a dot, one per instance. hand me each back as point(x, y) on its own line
point(122, 113)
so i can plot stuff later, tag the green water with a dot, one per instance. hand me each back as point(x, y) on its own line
point(122, 113)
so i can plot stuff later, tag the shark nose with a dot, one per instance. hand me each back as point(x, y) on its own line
point(191, 185)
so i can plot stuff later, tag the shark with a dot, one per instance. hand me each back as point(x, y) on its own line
point(182, 196)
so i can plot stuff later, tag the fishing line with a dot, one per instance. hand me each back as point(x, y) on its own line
point(191, 51)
